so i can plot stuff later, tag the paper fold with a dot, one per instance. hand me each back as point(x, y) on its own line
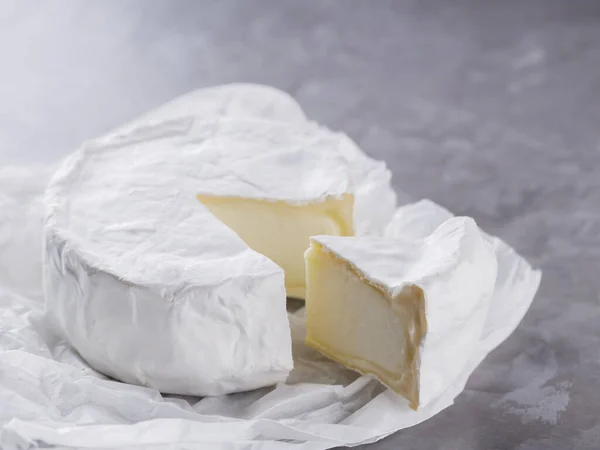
point(48, 397)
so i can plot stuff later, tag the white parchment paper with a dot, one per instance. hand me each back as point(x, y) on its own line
point(49, 398)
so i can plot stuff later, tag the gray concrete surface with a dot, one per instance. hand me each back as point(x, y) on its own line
point(489, 108)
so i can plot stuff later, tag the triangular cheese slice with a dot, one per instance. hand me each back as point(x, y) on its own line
point(407, 311)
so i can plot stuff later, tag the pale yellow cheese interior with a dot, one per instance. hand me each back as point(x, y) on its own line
point(281, 231)
point(356, 324)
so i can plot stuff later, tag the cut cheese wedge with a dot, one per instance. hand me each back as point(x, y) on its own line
point(404, 311)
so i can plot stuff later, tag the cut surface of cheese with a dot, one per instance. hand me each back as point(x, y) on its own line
point(154, 287)
point(281, 231)
point(384, 306)
point(353, 321)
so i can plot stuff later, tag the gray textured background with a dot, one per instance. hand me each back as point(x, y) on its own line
point(490, 108)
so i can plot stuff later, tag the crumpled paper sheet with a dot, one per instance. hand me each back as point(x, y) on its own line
point(49, 397)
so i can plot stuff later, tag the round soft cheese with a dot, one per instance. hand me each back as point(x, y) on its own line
point(159, 260)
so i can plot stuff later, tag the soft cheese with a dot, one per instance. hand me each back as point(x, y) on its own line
point(402, 309)
point(154, 287)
